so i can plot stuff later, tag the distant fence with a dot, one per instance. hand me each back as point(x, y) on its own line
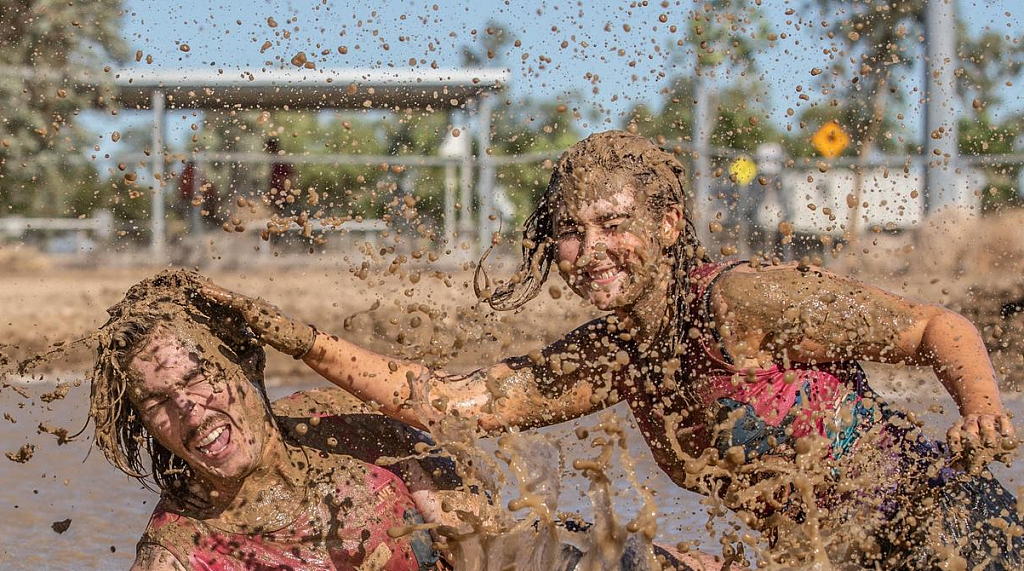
point(100, 225)
point(816, 197)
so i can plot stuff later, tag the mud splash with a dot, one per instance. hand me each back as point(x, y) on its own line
point(528, 532)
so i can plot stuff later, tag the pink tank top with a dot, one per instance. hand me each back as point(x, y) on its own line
point(784, 404)
point(344, 529)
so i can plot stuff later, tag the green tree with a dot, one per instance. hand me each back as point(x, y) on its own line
point(874, 51)
point(42, 44)
point(722, 40)
point(522, 127)
point(988, 63)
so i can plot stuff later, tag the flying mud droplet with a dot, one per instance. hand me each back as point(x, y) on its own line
point(24, 454)
point(61, 526)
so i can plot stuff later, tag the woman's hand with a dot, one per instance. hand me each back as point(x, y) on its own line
point(977, 439)
point(274, 328)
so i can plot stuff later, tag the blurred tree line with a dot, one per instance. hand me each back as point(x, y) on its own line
point(44, 169)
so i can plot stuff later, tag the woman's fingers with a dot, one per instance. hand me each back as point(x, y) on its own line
point(222, 296)
point(249, 308)
point(954, 439)
point(987, 430)
point(1005, 426)
point(977, 439)
point(274, 328)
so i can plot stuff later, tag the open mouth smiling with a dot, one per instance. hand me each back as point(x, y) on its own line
point(604, 276)
point(215, 441)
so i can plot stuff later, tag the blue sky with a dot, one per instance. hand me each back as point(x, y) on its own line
point(601, 56)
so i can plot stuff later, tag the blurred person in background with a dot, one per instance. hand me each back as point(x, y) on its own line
point(199, 201)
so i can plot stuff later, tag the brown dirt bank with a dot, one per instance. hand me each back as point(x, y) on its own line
point(434, 319)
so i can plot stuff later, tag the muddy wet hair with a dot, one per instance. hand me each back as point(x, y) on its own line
point(119, 431)
point(659, 175)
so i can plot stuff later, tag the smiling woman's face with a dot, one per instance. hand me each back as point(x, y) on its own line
point(208, 415)
point(609, 243)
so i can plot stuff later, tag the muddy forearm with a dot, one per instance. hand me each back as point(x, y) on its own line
point(411, 392)
point(499, 398)
point(954, 349)
point(369, 376)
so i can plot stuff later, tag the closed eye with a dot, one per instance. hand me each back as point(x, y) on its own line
point(152, 403)
point(613, 221)
point(568, 230)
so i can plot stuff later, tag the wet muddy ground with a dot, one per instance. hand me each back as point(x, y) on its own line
point(108, 511)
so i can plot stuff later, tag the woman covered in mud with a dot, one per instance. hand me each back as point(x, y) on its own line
point(742, 377)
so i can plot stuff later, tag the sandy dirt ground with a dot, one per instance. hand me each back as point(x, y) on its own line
point(435, 319)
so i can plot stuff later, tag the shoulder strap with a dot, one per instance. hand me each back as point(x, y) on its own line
point(703, 300)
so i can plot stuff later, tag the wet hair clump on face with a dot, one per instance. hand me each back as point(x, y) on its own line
point(147, 307)
point(659, 178)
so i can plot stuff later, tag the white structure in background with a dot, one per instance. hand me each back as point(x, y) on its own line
point(457, 176)
point(770, 158)
point(77, 235)
point(890, 199)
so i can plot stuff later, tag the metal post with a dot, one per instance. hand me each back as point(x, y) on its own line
point(157, 216)
point(940, 187)
point(453, 148)
point(449, 201)
point(702, 127)
point(195, 212)
point(465, 196)
point(485, 182)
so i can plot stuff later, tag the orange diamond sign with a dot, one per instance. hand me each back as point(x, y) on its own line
point(830, 140)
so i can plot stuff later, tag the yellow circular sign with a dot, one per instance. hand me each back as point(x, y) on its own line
point(744, 170)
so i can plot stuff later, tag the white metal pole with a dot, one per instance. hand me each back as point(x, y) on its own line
point(157, 215)
point(449, 202)
point(702, 127)
point(940, 114)
point(485, 182)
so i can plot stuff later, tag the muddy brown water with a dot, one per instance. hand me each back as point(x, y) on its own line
point(108, 510)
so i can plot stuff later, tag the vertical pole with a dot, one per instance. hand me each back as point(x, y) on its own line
point(449, 201)
point(485, 182)
point(157, 216)
point(702, 127)
point(195, 214)
point(465, 196)
point(940, 114)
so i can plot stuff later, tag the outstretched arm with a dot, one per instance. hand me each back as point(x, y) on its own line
point(813, 315)
point(510, 393)
point(551, 386)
